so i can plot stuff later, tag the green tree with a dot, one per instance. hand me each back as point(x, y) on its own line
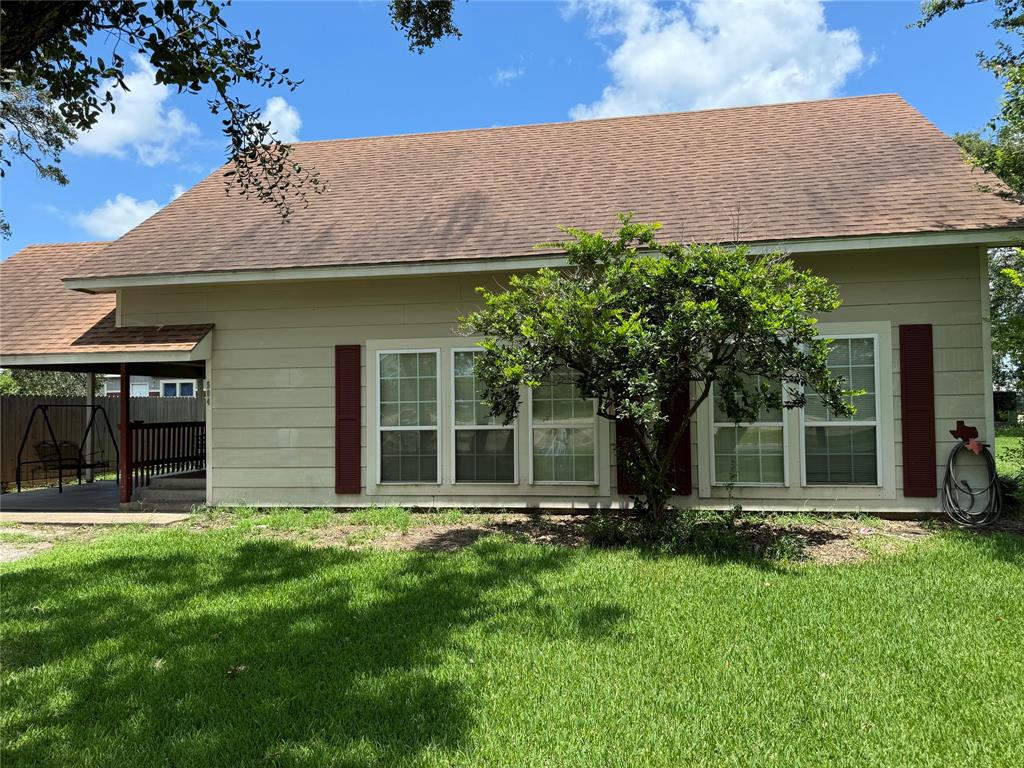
point(61, 62)
point(999, 149)
point(1006, 313)
point(20, 381)
point(999, 146)
point(7, 384)
point(635, 322)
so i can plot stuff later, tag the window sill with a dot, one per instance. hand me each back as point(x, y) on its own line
point(750, 485)
point(575, 483)
point(841, 485)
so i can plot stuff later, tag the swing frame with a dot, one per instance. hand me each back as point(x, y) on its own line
point(75, 462)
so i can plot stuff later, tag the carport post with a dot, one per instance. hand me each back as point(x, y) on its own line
point(90, 401)
point(125, 435)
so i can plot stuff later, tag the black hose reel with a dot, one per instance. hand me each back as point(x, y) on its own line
point(964, 504)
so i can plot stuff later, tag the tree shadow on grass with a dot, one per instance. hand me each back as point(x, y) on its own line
point(261, 653)
point(1004, 544)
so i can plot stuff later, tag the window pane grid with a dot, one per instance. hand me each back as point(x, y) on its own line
point(557, 402)
point(563, 454)
point(484, 447)
point(407, 408)
point(470, 410)
point(563, 446)
point(750, 453)
point(841, 455)
point(485, 456)
point(843, 450)
point(853, 360)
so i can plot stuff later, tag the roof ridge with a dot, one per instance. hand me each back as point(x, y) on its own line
point(79, 245)
point(62, 244)
point(743, 108)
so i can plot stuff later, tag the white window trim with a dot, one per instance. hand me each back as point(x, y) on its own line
point(784, 423)
point(448, 493)
point(177, 387)
point(876, 422)
point(797, 495)
point(514, 426)
point(378, 427)
point(558, 425)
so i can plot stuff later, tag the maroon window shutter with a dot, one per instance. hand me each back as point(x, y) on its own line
point(626, 485)
point(681, 462)
point(347, 426)
point(917, 410)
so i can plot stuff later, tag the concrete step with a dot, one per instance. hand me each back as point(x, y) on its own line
point(180, 496)
point(170, 509)
point(179, 483)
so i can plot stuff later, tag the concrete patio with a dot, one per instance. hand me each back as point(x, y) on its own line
point(98, 496)
point(87, 504)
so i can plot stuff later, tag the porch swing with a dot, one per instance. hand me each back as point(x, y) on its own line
point(64, 455)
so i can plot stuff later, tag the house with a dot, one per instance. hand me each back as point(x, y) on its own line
point(327, 346)
point(150, 386)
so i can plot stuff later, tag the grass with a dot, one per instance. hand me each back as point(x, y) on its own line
point(388, 518)
point(1010, 450)
point(371, 524)
point(214, 648)
point(813, 518)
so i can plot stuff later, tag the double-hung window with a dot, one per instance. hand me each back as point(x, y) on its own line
point(485, 448)
point(751, 453)
point(844, 450)
point(563, 429)
point(407, 402)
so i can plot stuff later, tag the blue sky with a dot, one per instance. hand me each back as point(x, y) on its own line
point(517, 62)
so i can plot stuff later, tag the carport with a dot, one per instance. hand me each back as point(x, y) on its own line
point(44, 326)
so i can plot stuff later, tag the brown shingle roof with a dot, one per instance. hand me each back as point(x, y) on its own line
point(38, 315)
point(844, 167)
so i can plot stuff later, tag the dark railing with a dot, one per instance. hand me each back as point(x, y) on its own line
point(165, 447)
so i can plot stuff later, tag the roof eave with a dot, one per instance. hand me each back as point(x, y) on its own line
point(201, 350)
point(986, 238)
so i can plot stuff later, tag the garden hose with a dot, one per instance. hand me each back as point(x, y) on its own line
point(960, 501)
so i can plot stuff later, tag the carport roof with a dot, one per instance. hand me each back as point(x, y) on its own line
point(42, 321)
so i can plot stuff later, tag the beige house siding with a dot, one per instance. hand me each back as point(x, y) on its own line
point(271, 435)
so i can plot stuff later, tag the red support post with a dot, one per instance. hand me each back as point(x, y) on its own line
point(125, 435)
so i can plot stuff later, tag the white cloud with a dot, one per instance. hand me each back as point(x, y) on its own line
point(717, 53)
point(141, 124)
point(506, 76)
point(115, 217)
point(283, 118)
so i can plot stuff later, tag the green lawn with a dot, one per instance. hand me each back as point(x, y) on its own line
point(1010, 450)
point(222, 649)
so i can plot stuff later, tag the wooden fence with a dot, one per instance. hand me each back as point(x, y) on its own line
point(69, 424)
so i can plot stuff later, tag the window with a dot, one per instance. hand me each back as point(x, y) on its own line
point(485, 449)
point(112, 386)
point(751, 453)
point(562, 430)
point(844, 450)
point(407, 403)
point(178, 389)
